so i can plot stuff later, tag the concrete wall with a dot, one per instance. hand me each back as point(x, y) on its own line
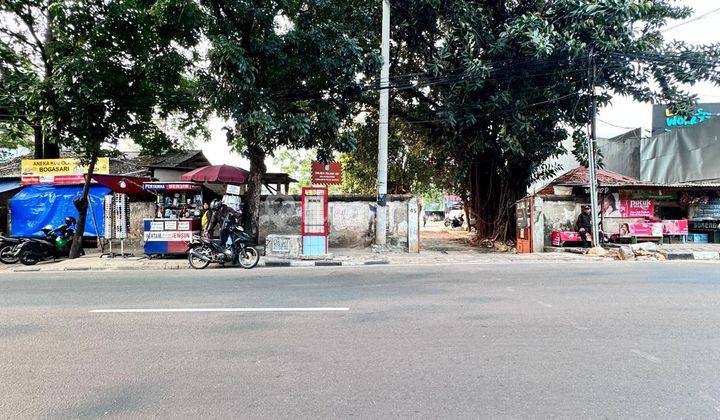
point(559, 213)
point(351, 219)
point(138, 212)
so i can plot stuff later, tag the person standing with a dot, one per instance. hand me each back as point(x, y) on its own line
point(583, 225)
point(205, 221)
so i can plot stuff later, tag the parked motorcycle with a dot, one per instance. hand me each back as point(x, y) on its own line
point(8, 249)
point(56, 244)
point(455, 221)
point(203, 251)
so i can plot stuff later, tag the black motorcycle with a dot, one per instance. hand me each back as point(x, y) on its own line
point(8, 249)
point(203, 251)
point(56, 244)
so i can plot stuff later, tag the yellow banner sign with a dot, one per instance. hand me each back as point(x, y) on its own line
point(68, 166)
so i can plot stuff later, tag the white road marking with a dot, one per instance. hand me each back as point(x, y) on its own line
point(647, 356)
point(578, 327)
point(547, 305)
point(149, 310)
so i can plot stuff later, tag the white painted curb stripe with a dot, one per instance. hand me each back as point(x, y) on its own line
point(131, 311)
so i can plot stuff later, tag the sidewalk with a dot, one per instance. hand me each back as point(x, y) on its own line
point(340, 257)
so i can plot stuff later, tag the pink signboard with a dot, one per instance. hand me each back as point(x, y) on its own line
point(675, 227)
point(637, 208)
point(613, 206)
point(646, 229)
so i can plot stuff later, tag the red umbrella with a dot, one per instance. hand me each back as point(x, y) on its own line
point(219, 174)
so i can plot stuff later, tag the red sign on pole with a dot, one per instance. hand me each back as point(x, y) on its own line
point(326, 173)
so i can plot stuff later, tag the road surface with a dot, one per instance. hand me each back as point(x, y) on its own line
point(631, 340)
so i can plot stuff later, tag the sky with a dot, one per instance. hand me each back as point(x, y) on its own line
point(622, 115)
point(628, 114)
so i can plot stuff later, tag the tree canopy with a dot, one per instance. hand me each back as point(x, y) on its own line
point(286, 74)
point(500, 85)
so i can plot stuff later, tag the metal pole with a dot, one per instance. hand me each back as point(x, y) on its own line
point(381, 214)
point(592, 169)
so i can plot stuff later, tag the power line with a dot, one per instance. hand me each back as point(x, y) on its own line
point(692, 20)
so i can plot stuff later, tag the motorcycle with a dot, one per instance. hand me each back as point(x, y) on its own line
point(56, 244)
point(203, 251)
point(8, 249)
point(455, 221)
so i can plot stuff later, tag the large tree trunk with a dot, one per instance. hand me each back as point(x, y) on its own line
point(82, 207)
point(251, 211)
point(493, 195)
point(51, 150)
point(39, 142)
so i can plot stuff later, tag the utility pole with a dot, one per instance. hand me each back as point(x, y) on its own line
point(592, 168)
point(381, 213)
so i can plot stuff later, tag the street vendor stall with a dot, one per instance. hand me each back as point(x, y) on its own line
point(177, 217)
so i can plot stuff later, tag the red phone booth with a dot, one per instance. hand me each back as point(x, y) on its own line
point(523, 229)
point(314, 226)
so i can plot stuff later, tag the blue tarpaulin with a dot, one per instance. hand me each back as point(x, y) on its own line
point(37, 206)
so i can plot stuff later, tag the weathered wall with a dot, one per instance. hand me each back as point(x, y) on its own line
point(138, 212)
point(351, 219)
point(559, 213)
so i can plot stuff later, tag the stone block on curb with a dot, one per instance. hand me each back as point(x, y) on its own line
point(277, 263)
point(327, 263)
point(626, 253)
point(674, 256)
point(376, 262)
point(706, 255)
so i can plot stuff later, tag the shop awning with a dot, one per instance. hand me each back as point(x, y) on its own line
point(9, 184)
point(130, 185)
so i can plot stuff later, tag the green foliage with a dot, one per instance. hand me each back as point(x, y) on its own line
point(511, 80)
point(118, 66)
point(283, 72)
point(411, 168)
point(297, 164)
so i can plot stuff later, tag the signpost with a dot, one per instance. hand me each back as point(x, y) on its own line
point(326, 173)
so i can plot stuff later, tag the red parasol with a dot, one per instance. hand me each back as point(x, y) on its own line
point(218, 174)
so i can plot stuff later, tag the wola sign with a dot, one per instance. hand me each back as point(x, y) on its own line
point(326, 173)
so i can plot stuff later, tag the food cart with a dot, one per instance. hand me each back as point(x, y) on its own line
point(177, 217)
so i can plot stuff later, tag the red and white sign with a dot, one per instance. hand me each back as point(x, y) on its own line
point(675, 227)
point(637, 208)
point(646, 229)
point(613, 206)
point(326, 173)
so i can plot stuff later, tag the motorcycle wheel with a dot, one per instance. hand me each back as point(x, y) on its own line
point(28, 258)
point(196, 262)
point(7, 255)
point(250, 259)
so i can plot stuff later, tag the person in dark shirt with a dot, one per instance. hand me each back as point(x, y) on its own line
point(584, 226)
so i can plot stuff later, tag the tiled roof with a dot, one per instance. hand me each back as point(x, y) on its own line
point(579, 177)
point(126, 164)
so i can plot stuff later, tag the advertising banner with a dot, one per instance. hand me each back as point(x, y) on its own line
point(58, 171)
point(675, 227)
point(613, 206)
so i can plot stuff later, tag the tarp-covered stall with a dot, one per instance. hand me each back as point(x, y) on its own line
point(689, 154)
point(37, 206)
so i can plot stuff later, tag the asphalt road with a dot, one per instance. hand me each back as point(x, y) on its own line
point(617, 340)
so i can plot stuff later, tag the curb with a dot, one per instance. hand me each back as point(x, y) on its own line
point(179, 266)
point(696, 256)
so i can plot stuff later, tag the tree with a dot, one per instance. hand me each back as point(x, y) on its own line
point(26, 63)
point(285, 75)
point(502, 84)
point(118, 66)
point(411, 167)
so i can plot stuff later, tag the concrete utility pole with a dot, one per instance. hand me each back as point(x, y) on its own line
point(381, 214)
point(592, 168)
